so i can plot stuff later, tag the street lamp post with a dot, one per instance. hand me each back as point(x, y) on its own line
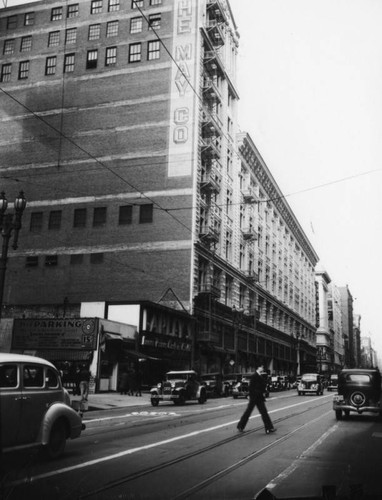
point(9, 222)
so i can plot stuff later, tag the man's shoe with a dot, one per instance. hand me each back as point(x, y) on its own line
point(268, 431)
point(240, 429)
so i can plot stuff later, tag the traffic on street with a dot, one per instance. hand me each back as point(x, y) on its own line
point(194, 451)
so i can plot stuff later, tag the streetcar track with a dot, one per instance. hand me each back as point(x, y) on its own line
point(187, 456)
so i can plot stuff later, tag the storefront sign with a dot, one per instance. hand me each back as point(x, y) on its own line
point(51, 333)
point(174, 344)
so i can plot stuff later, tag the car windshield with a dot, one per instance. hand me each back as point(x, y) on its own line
point(358, 378)
point(178, 376)
point(309, 377)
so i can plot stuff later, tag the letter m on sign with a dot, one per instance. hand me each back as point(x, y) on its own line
point(183, 52)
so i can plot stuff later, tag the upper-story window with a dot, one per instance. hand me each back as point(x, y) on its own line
point(94, 32)
point(28, 18)
point(54, 39)
point(56, 14)
point(136, 24)
point(146, 213)
point(6, 71)
point(135, 52)
point(69, 63)
point(9, 46)
point(36, 222)
point(50, 65)
point(11, 22)
point(136, 3)
point(111, 56)
point(92, 59)
point(96, 7)
point(112, 28)
point(99, 216)
point(113, 5)
point(70, 36)
point(26, 44)
point(155, 2)
point(125, 215)
point(153, 50)
point(79, 219)
point(23, 70)
point(73, 10)
point(155, 21)
point(55, 219)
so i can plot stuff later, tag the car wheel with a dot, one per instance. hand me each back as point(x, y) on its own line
point(338, 414)
point(203, 398)
point(57, 440)
point(154, 402)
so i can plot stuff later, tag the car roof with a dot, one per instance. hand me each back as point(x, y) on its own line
point(9, 357)
point(360, 370)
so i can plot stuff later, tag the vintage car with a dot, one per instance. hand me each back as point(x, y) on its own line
point(179, 387)
point(241, 388)
point(332, 383)
point(358, 391)
point(310, 383)
point(279, 383)
point(34, 407)
point(213, 383)
point(229, 381)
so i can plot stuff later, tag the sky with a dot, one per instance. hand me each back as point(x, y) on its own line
point(310, 86)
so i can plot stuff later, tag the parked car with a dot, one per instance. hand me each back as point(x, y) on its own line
point(34, 407)
point(241, 388)
point(213, 383)
point(310, 383)
point(332, 383)
point(279, 383)
point(229, 381)
point(179, 387)
point(358, 391)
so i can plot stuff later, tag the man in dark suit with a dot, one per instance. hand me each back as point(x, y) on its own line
point(257, 388)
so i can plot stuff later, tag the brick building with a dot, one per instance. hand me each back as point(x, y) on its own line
point(120, 125)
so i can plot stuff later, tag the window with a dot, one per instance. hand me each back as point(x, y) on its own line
point(136, 24)
point(26, 44)
point(36, 222)
point(70, 36)
point(50, 65)
point(99, 216)
point(31, 261)
point(72, 10)
point(51, 379)
point(96, 7)
point(56, 14)
point(29, 19)
point(155, 2)
point(55, 219)
point(69, 63)
point(154, 21)
point(92, 58)
point(9, 46)
point(111, 56)
point(8, 376)
point(94, 32)
point(113, 5)
point(79, 217)
point(96, 258)
point(153, 50)
point(33, 376)
point(54, 39)
point(76, 259)
point(146, 213)
point(125, 215)
point(23, 70)
point(135, 50)
point(51, 260)
point(11, 22)
point(112, 28)
point(136, 3)
point(6, 70)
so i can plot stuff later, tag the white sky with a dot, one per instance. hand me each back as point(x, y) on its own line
point(310, 83)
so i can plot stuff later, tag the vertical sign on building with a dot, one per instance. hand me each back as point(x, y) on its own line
point(182, 89)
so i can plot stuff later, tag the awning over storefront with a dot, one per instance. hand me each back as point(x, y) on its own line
point(140, 355)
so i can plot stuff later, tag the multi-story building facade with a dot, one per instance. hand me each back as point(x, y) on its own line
point(357, 338)
point(120, 125)
point(325, 341)
point(368, 354)
point(335, 327)
point(346, 300)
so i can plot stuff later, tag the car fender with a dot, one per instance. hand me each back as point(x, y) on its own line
point(58, 411)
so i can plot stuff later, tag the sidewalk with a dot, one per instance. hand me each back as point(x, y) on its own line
point(112, 400)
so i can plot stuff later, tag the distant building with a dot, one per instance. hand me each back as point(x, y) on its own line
point(346, 300)
point(335, 327)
